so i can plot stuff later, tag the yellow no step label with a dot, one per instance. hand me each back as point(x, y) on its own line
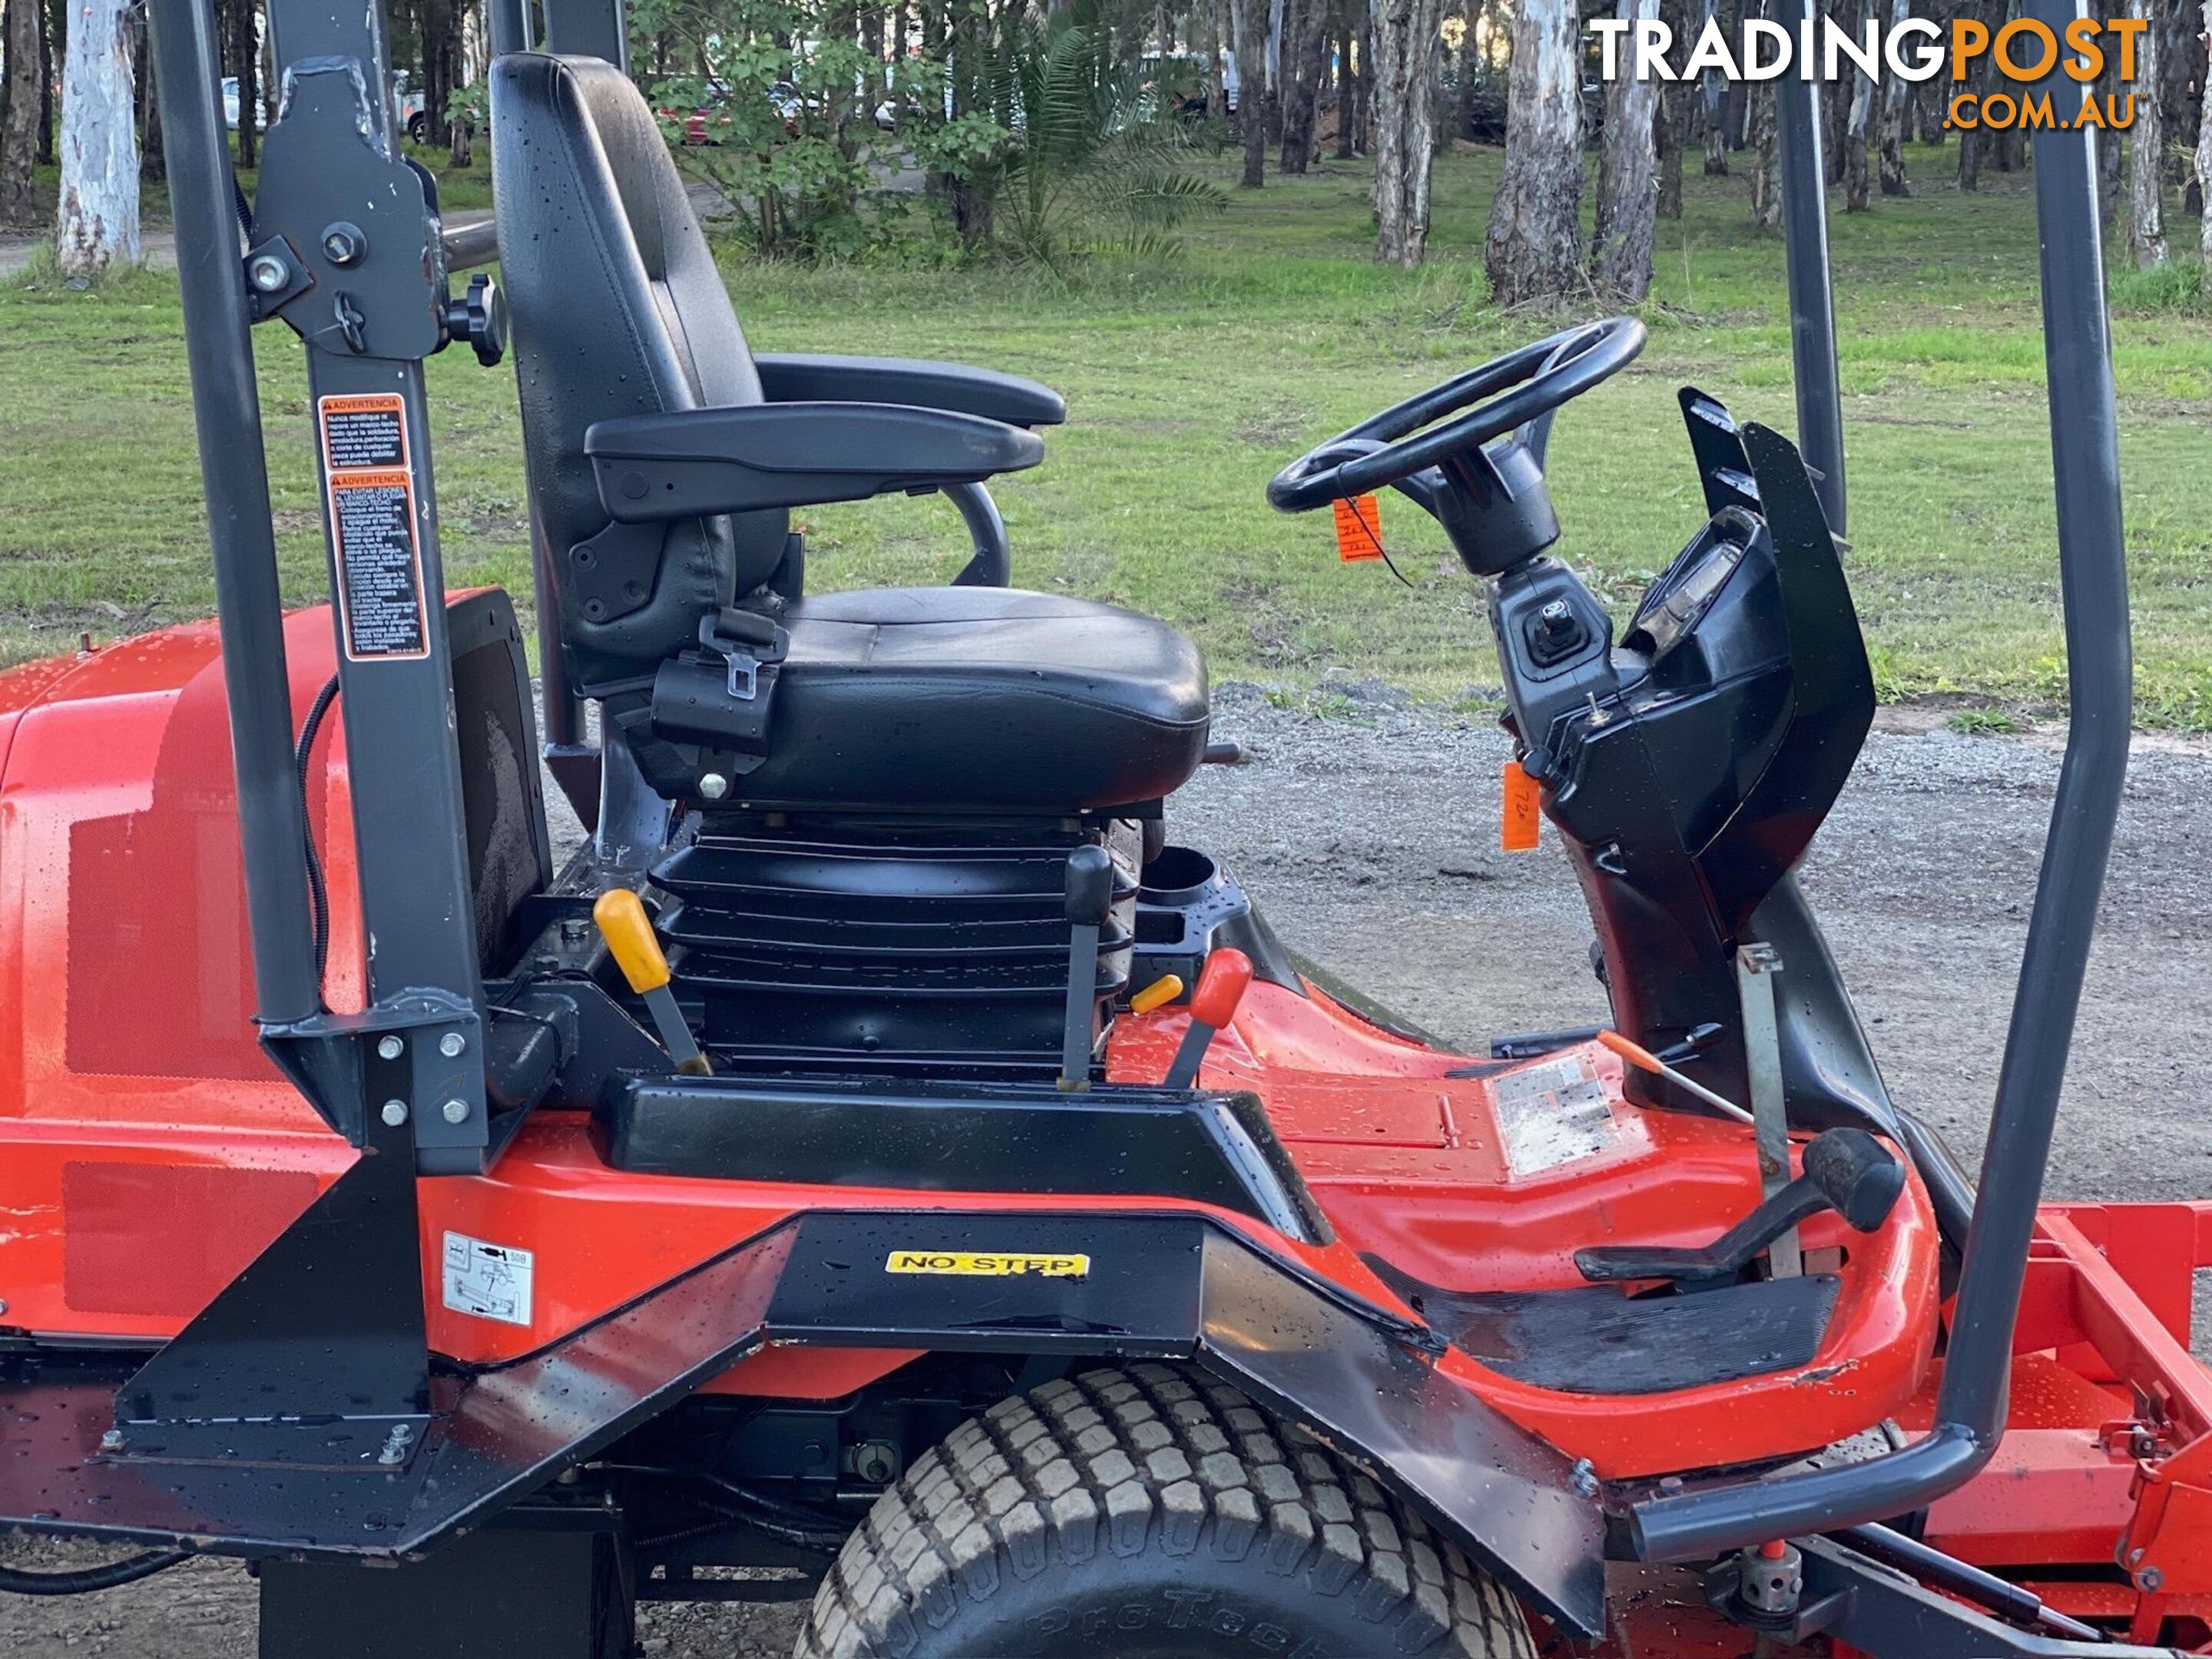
point(978, 1265)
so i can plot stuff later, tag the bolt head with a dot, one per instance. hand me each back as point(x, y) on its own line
point(112, 1441)
point(395, 1112)
point(714, 786)
point(390, 1046)
point(455, 1111)
point(452, 1044)
point(268, 273)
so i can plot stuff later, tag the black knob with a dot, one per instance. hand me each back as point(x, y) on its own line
point(1090, 886)
point(479, 317)
point(1856, 1173)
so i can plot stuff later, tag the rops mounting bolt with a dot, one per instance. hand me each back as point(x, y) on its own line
point(395, 1112)
point(455, 1111)
point(267, 273)
point(452, 1044)
point(390, 1047)
point(343, 244)
point(112, 1441)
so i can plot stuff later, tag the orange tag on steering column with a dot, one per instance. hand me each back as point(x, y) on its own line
point(1359, 529)
point(1519, 819)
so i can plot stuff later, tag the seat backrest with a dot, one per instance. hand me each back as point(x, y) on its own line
point(616, 309)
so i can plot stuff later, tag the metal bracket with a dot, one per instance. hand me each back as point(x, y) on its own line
point(1756, 965)
point(422, 1061)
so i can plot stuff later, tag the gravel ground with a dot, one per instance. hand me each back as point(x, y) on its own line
point(1371, 842)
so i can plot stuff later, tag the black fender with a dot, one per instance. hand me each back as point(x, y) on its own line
point(1151, 1286)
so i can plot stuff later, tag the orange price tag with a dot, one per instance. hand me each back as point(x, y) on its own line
point(1359, 529)
point(1519, 819)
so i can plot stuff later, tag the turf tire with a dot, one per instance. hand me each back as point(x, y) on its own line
point(1142, 1513)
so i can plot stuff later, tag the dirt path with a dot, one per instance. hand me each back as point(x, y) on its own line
point(1372, 847)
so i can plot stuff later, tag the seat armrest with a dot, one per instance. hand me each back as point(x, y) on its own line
point(699, 462)
point(808, 378)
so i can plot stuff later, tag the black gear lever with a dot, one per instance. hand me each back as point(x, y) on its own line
point(1846, 1171)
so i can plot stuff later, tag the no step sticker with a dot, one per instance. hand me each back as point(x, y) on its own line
point(373, 526)
point(492, 1281)
point(980, 1265)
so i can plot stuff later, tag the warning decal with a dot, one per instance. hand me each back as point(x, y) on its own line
point(976, 1264)
point(371, 507)
point(491, 1281)
point(1552, 1113)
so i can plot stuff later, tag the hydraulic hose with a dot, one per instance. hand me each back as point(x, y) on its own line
point(84, 1581)
point(1970, 1406)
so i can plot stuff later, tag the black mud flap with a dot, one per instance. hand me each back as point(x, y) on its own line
point(1122, 1286)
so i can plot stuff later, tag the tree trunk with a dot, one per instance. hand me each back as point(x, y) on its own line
point(1305, 58)
point(1621, 249)
point(1766, 164)
point(1712, 109)
point(1858, 128)
point(1895, 114)
point(151, 167)
point(19, 129)
point(1671, 119)
point(1532, 246)
point(1252, 88)
point(53, 18)
point(2205, 152)
point(2146, 146)
point(98, 224)
point(1408, 37)
point(1347, 96)
point(244, 47)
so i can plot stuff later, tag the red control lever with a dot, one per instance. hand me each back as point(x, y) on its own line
point(1221, 986)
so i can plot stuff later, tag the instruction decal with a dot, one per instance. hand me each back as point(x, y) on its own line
point(981, 1265)
point(491, 1281)
point(372, 520)
point(1551, 1113)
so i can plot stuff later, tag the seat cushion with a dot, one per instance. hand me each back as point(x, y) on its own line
point(980, 698)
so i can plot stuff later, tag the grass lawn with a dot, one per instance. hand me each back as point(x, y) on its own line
point(1189, 384)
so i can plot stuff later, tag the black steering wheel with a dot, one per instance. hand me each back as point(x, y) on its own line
point(1503, 395)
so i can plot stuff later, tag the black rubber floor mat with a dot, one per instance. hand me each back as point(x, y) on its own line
point(1595, 1341)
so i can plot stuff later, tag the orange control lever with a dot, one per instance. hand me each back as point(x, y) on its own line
point(1644, 1060)
point(1221, 986)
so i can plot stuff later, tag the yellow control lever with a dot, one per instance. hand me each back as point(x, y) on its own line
point(631, 939)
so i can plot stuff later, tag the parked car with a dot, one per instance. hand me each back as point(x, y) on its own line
point(230, 101)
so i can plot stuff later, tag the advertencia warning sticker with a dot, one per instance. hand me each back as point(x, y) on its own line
point(491, 1281)
point(379, 563)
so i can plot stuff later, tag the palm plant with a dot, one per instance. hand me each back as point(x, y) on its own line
point(1089, 152)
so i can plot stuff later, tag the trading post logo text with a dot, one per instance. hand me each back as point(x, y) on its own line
point(2024, 53)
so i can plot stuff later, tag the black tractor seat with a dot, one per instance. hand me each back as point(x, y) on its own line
point(989, 698)
point(664, 459)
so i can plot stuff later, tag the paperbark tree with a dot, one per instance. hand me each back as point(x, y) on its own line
point(1305, 55)
point(1766, 160)
point(1627, 199)
point(2145, 148)
point(243, 48)
point(19, 132)
point(1670, 120)
point(1407, 36)
point(1859, 128)
point(1251, 20)
point(1713, 101)
point(97, 225)
point(1533, 247)
point(1896, 99)
point(2205, 152)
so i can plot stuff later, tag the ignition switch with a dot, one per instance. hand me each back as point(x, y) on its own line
point(1555, 634)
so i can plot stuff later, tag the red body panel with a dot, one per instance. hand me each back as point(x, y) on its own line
point(148, 1151)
